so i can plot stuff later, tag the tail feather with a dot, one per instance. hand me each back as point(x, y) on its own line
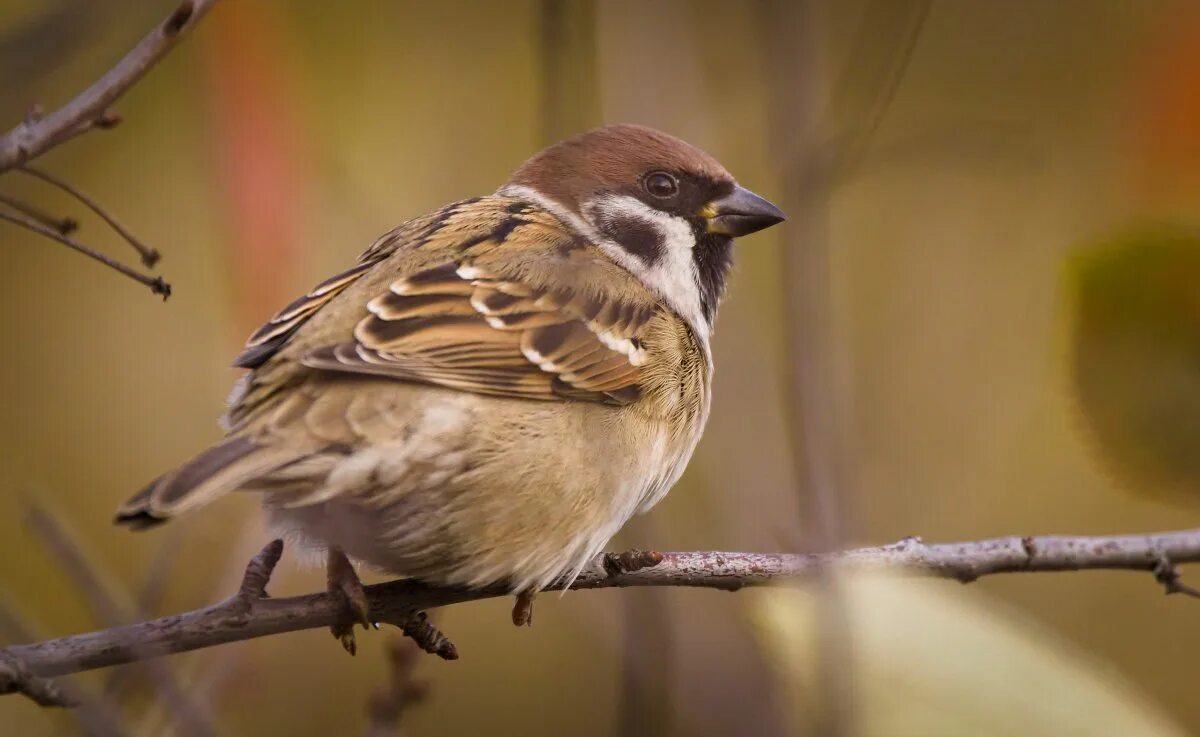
point(220, 469)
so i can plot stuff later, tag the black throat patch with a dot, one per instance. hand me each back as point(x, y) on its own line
point(713, 255)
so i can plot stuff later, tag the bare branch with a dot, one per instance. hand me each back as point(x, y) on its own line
point(64, 226)
point(39, 133)
point(247, 615)
point(15, 678)
point(156, 283)
point(149, 256)
point(95, 716)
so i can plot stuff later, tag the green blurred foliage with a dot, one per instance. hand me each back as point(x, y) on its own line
point(1135, 304)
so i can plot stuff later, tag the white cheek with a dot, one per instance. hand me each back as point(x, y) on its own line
point(673, 276)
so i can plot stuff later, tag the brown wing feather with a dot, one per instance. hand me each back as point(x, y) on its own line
point(266, 340)
point(481, 332)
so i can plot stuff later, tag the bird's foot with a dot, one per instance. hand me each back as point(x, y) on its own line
point(428, 637)
point(522, 613)
point(344, 583)
point(630, 561)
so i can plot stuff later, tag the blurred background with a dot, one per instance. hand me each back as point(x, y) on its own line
point(981, 319)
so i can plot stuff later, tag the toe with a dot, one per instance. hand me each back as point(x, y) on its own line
point(522, 613)
point(345, 634)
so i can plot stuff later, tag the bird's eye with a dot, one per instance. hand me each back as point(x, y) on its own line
point(661, 184)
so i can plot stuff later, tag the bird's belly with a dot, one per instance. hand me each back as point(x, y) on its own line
point(504, 491)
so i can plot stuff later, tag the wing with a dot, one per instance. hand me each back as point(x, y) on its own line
point(463, 326)
point(494, 296)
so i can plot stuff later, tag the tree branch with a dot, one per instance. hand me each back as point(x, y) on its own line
point(149, 256)
point(15, 678)
point(250, 613)
point(64, 226)
point(39, 133)
point(157, 284)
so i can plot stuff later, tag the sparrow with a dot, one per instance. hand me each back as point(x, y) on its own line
point(496, 387)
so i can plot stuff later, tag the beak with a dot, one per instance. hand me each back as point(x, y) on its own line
point(741, 212)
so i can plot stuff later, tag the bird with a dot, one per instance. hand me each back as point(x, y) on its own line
point(494, 388)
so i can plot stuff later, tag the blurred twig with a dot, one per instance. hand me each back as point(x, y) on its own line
point(820, 397)
point(34, 48)
point(647, 646)
point(250, 614)
point(114, 610)
point(388, 704)
point(883, 47)
point(158, 575)
point(39, 133)
point(570, 100)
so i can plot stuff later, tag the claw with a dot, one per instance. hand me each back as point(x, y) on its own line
point(522, 613)
point(344, 583)
point(345, 634)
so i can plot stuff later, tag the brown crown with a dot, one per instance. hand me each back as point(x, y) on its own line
point(612, 158)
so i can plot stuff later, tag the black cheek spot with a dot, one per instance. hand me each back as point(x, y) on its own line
point(637, 236)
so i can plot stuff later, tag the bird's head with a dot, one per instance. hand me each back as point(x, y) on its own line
point(662, 208)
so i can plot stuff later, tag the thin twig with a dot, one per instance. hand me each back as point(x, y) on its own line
point(149, 256)
point(876, 66)
point(64, 226)
point(1166, 572)
point(97, 589)
point(244, 617)
point(156, 283)
point(39, 133)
